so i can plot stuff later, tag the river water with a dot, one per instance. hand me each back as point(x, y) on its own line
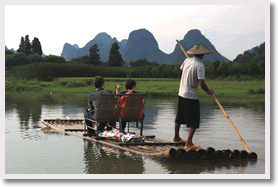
point(31, 148)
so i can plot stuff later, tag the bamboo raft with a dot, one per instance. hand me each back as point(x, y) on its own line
point(151, 147)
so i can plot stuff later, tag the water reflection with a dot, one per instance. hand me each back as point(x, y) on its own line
point(27, 111)
point(100, 159)
point(106, 160)
point(205, 166)
point(49, 131)
point(24, 112)
point(74, 110)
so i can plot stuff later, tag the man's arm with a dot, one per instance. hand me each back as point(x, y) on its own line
point(90, 106)
point(118, 89)
point(205, 87)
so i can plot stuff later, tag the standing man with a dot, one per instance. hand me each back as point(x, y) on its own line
point(193, 74)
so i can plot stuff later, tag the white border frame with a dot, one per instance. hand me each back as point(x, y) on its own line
point(160, 176)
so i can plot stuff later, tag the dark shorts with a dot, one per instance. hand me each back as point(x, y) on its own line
point(188, 112)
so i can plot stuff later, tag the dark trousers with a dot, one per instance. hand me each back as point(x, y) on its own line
point(123, 125)
point(101, 126)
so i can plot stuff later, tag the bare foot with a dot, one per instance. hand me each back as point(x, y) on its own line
point(189, 144)
point(176, 139)
point(180, 140)
point(192, 147)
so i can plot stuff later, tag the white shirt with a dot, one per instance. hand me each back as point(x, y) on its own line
point(193, 69)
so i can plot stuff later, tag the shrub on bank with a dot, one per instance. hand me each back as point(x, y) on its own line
point(251, 91)
point(42, 84)
point(259, 91)
point(25, 87)
point(75, 84)
point(48, 71)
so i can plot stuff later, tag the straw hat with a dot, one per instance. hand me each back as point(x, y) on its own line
point(199, 49)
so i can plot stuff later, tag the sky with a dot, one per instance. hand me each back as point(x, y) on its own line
point(232, 29)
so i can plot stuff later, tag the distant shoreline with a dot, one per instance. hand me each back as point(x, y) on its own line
point(225, 91)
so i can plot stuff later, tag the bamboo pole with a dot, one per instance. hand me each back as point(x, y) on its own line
point(228, 118)
point(182, 49)
point(242, 141)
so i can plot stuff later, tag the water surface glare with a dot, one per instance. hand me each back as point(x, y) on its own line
point(32, 148)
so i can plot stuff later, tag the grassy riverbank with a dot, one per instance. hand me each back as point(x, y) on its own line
point(232, 91)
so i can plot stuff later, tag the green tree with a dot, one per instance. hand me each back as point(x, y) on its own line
point(216, 64)
point(211, 72)
point(115, 57)
point(166, 71)
point(261, 65)
point(84, 60)
point(257, 54)
point(21, 45)
point(81, 60)
point(9, 61)
point(236, 68)
point(35, 58)
point(140, 63)
point(223, 68)
point(36, 46)
point(54, 58)
point(27, 46)
point(8, 52)
point(94, 57)
point(157, 71)
point(148, 70)
point(253, 68)
point(19, 59)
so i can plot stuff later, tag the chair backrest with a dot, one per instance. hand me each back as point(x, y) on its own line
point(132, 107)
point(106, 111)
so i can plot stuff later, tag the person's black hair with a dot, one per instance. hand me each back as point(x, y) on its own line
point(98, 81)
point(129, 84)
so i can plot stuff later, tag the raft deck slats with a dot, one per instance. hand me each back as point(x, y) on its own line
point(153, 144)
point(151, 147)
point(74, 130)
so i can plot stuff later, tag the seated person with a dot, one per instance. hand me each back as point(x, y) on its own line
point(130, 84)
point(93, 102)
point(130, 89)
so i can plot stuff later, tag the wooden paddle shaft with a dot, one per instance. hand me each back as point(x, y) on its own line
point(222, 109)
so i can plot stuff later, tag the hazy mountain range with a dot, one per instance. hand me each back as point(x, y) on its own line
point(142, 44)
point(104, 42)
